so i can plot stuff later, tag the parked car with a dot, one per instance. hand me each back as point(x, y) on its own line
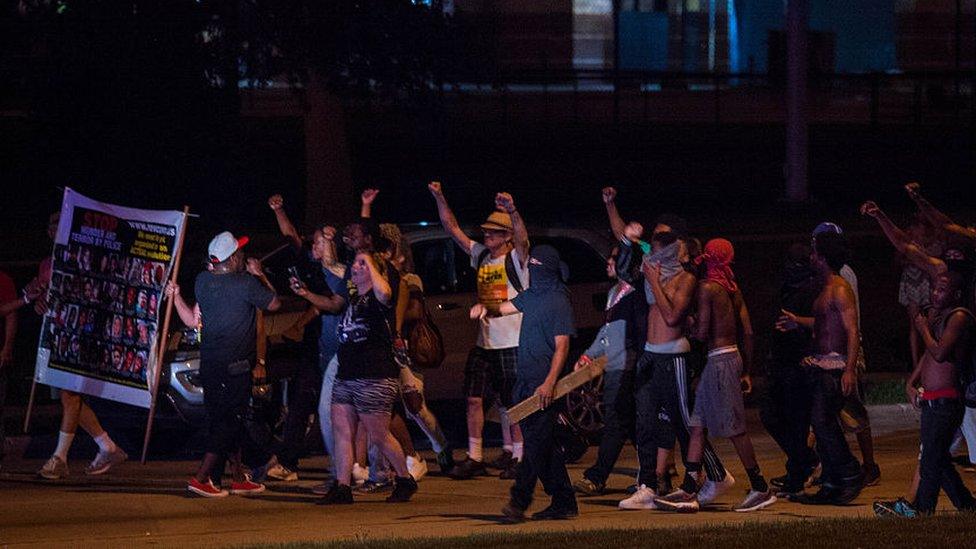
point(449, 284)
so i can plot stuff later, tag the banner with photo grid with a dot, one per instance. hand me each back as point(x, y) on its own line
point(110, 266)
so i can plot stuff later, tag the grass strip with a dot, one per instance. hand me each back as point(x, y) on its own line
point(944, 530)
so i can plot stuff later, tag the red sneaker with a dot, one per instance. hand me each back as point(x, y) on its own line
point(205, 489)
point(246, 487)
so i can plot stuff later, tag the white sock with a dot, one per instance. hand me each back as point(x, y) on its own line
point(474, 448)
point(506, 425)
point(64, 444)
point(105, 442)
point(517, 449)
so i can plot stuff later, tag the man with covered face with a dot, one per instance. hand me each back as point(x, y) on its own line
point(547, 325)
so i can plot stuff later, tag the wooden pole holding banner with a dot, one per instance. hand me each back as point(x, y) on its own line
point(30, 405)
point(164, 339)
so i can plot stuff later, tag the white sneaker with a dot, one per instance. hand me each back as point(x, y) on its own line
point(417, 467)
point(55, 468)
point(359, 474)
point(711, 490)
point(105, 460)
point(643, 498)
point(282, 473)
point(755, 501)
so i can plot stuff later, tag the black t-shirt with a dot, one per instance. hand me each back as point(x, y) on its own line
point(227, 306)
point(365, 341)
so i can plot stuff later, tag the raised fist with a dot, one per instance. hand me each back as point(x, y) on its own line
point(369, 195)
point(435, 188)
point(504, 202)
point(871, 209)
point(609, 194)
point(912, 189)
point(276, 202)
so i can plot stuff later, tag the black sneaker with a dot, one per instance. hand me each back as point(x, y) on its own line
point(779, 482)
point(405, 488)
point(511, 471)
point(557, 512)
point(513, 512)
point(339, 494)
point(830, 495)
point(501, 462)
point(468, 469)
point(871, 473)
point(445, 460)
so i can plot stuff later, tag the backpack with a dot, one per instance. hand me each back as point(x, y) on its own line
point(510, 270)
point(424, 341)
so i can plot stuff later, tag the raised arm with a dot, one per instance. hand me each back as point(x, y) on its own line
point(368, 196)
point(277, 203)
point(935, 217)
point(381, 287)
point(520, 235)
point(617, 224)
point(448, 220)
point(932, 266)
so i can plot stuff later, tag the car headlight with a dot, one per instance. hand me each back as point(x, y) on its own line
point(189, 377)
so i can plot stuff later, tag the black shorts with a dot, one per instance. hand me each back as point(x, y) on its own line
point(491, 371)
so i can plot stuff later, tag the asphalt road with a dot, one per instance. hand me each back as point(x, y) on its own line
point(138, 505)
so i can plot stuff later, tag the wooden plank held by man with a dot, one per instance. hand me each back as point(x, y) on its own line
point(565, 385)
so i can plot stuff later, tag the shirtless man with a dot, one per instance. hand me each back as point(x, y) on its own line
point(663, 377)
point(947, 330)
point(719, 406)
point(829, 374)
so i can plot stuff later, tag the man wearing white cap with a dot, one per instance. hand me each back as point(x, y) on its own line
point(228, 298)
point(491, 364)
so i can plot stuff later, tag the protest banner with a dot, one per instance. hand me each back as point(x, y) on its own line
point(101, 333)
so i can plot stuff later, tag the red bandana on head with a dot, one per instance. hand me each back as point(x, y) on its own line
point(718, 258)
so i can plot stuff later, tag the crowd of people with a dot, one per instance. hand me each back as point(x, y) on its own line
point(677, 343)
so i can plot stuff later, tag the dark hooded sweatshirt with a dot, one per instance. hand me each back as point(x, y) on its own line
point(547, 313)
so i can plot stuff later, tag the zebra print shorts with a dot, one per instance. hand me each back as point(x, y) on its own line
point(367, 396)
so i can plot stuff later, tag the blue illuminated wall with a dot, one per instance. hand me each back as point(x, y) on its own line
point(864, 31)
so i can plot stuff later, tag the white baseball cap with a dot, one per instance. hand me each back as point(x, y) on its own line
point(224, 245)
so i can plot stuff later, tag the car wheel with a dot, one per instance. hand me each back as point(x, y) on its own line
point(572, 441)
point(584, 409)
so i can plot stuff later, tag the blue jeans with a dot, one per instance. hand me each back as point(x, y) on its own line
point(325, 408)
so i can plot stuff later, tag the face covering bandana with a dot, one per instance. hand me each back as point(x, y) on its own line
point(718, 258)
point(667, 258)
